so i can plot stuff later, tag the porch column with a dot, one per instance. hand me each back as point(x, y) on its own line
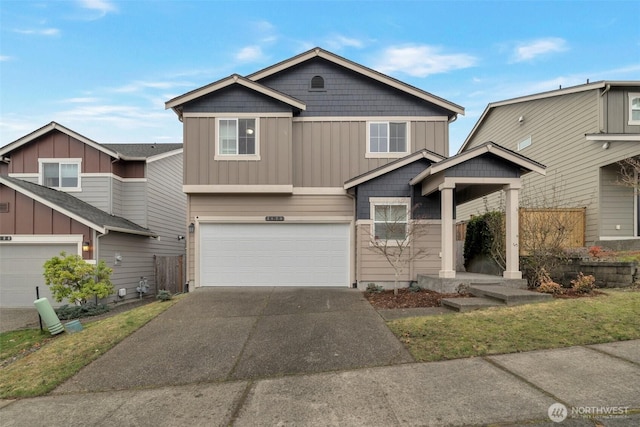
point(512, 247)
point(447, 247)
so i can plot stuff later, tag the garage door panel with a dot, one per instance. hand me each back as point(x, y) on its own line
point(21, 269)
point(274, 254)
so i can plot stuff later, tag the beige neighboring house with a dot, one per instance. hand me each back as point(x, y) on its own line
point(120, 203)
point(581, 134)
point(289, 172)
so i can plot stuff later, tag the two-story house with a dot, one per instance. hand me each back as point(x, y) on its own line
point(61, 191)
point(581, 134)
point(292, 172)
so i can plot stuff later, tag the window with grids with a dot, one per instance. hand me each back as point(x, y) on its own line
point(237, 137)
point(388, 137)
point(60, 174)
point(390, 221)
point(634, 108)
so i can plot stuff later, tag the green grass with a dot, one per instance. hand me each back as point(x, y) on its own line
point(62, 356)
point(15, 343)
point(560, 323)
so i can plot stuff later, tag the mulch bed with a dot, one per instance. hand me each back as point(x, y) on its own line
point(570, 293)
point(427, 298)
point(408, 299)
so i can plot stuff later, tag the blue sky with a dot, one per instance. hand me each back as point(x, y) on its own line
point(105, 68)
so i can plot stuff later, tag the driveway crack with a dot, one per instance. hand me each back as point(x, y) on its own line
point(259, 316)
point(237, 407)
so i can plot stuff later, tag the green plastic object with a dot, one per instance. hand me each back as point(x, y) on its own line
point(49, 316)
point(73, 326)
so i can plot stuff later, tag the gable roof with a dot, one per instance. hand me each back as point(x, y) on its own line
point(117, 151)
point(252, 82)
point(178, 101)
point(48, 128)
point(604, 84)
point(75, 208)
point(142, 151)
point(389, 167)
point(361, 69)
point(523, 162)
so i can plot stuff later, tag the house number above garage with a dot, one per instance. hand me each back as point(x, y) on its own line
point(274, 218)
point(5, 237)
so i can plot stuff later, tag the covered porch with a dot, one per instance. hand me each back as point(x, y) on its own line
point(468, 176)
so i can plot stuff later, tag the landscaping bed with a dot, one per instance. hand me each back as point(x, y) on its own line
point(409, 298)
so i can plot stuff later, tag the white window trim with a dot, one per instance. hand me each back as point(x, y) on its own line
point(388, 155)
point(253, 157)
point(73, 161)
point(632, 96)
point(387, 201)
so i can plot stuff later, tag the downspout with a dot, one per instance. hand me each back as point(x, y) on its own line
point(355, 237)
point(97, 243)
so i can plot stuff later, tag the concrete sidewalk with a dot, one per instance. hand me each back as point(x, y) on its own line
point(514, 390)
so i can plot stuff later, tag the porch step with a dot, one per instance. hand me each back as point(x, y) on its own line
point(469, 304)
point(506, 295)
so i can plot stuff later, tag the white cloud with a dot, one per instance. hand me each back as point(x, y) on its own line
point(250, 54)
point(4, 58)
point(535, 48)
point(101, 6)
point(138, 86)
point(81, 100)
point(422, 60)
point(339, 41)
point(39, 32)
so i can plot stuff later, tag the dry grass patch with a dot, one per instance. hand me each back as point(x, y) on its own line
point(64, 355)
point(560, 323)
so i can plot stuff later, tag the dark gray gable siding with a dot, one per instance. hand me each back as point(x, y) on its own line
point(236, 99)
point(346, 93)
point(396, 184)
point(485, 166)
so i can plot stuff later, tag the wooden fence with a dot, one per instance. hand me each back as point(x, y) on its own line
point(170, 274)
point(541, 225)
point(564, 227)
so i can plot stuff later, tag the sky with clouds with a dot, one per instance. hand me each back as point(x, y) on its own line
point(105, 68)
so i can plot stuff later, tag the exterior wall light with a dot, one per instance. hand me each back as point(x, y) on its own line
point(86, 246)
point(192, 228)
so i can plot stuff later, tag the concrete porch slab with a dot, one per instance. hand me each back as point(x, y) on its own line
point(463, 280)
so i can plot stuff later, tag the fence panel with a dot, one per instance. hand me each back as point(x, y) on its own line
point(564, 227)
point(170, 273)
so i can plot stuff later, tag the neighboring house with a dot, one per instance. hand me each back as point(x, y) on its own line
point(61, 191)
point(581, 134)
point(288, 172)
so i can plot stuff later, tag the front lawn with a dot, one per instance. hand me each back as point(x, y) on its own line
point(34, 363)
point(559, 323)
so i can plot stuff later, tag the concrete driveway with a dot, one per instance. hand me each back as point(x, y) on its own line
point(221, 334)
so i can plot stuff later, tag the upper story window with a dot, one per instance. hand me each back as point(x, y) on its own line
point(634, 108)
point(390, 219)
point(60, 174)
point(237, 139)
point(317, 83)
point(387, 139)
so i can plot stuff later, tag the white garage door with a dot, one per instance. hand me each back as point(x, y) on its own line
point(274, 254)
point(21, 268)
